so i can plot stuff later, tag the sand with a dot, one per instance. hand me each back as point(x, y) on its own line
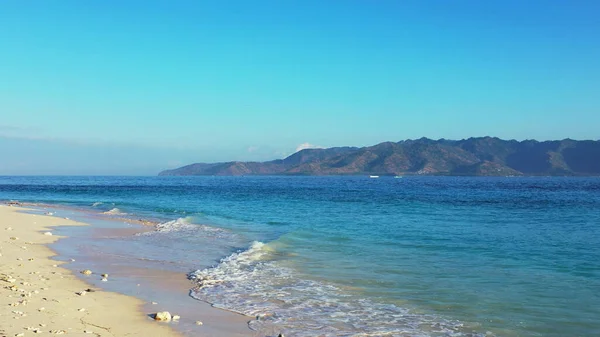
point(38, 296)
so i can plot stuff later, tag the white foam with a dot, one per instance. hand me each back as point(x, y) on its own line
point(114, 211)
point(186, 225)
point(252, 282)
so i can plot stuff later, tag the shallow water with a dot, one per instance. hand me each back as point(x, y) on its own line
point(353, 256)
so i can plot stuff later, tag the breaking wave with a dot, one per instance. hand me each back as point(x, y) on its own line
point(187, 225)
point(254, 283)
point(114, 211)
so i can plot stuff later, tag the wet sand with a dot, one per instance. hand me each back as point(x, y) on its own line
point(37, 293)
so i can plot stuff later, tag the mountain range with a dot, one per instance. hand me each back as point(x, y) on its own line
point(481, 156)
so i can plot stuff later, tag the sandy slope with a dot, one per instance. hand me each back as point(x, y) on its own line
point(36, 293)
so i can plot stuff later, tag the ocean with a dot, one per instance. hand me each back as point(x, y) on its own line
point(356, 256)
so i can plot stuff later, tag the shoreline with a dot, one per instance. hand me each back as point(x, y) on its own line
point(40, 292)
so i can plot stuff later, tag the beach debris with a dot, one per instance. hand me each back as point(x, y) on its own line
point(48, 233)
point(163, 316)
point(81, 293)
point(20, 334)
point(199, 323)
point(87, 331)
point(14, 238)
point(81, 310)
point(280, 335)
point(41, 309)
point(104, 279)
point(30, 259)
point(58, 332)
point(176, 317)
point(154, 302)
point(86, 272)
point(72, 260)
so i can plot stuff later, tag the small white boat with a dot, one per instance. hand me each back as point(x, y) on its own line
point(373, 176)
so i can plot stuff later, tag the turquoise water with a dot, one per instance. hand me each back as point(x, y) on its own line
point(353, 256)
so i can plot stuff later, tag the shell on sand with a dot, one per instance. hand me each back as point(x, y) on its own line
point(163, 316)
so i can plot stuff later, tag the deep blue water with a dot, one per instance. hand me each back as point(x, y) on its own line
point(340, 256)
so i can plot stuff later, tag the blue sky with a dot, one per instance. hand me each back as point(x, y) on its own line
point(132, 87)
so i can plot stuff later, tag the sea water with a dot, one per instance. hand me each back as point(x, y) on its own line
point(354, 256)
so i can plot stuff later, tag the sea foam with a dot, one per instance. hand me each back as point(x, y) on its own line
point(254, 283)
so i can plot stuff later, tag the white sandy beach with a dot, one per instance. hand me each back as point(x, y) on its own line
point(38, 296)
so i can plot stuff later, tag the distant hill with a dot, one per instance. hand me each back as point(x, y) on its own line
point(484, 156)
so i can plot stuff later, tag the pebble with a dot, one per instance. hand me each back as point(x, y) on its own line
point(48, 233)
point(199, 323)
point(82, 310)
point(163, 316)
point(14, 238)
point(86, 272)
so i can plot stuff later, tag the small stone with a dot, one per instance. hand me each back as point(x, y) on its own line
point(86, 272)
point(20, 335)
point(176, 317)
point(199, 323)
point(48, 233)
point(41, 309)
point(87, 331)
point(82, 310)
point(31, 259)
point(81, 293)
point(163, 316)
point(14, 238)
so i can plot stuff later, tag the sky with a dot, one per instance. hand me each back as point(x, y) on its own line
point(134, 87)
